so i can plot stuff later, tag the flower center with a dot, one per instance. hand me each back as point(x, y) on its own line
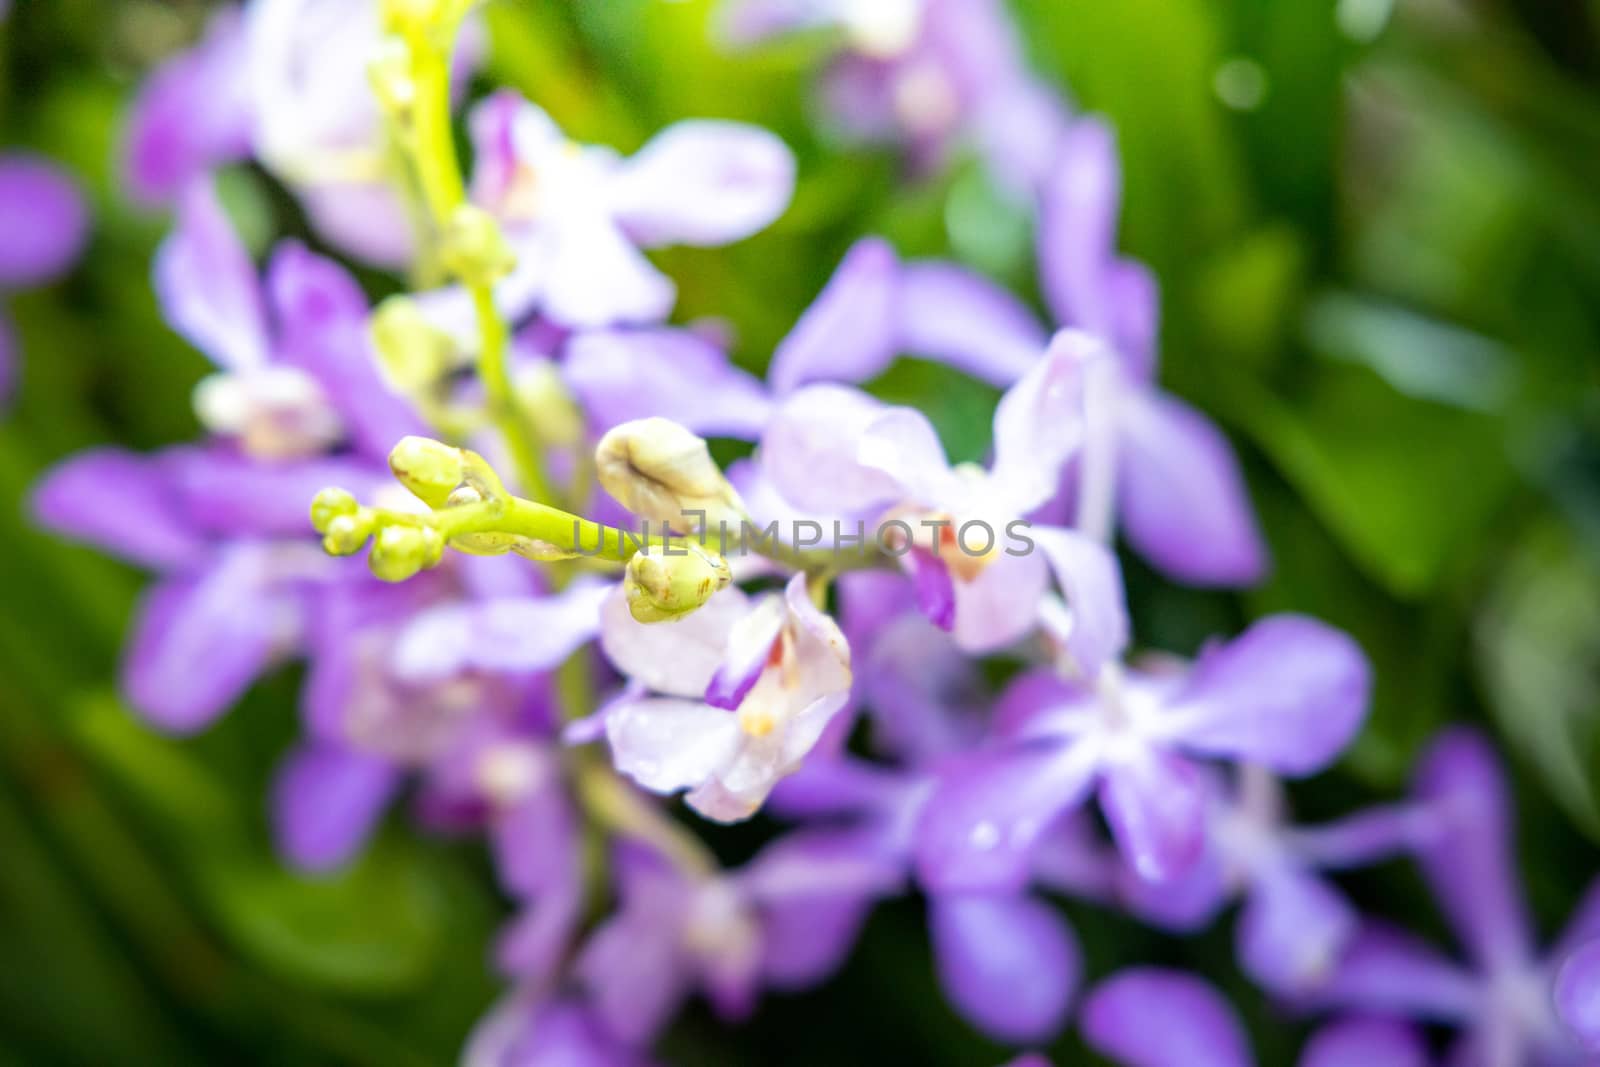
point(274, 412)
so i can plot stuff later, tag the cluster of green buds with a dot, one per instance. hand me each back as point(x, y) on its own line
point(656, 468)
point(469, 510)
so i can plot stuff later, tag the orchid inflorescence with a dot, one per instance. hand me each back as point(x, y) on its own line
point(519, 620)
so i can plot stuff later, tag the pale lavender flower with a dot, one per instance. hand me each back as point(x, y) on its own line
point(1503, 1000)
point(1288, 694)
point(578, 217)
point(45, 223)
point(933, 76)
point(830, 450)
point(747, 689)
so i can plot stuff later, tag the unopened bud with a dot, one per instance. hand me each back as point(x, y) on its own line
point(660, 471)
point(474, 249)
point(662, 586)
point(412, 353)
point(347, 533)
point(399, 552)
point(431, 469)
point(330, 504)
point(543, 394)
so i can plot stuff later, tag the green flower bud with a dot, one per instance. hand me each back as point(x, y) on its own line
point(412, 354)
point(660, 471)
point(330, 504)
point(399, 552)
point(347, 533)
point(430, 469)
point(662, 586)
point(474, 249)
point(543, 394)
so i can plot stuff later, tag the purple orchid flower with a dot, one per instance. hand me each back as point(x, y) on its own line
point(933, 76)
point(1008, 962)
point(231, 540)
point(1153, 1017)
point(748, 689)
point(1504, 1001)
point(296, 374)
point(786, 919)
point(1174, 481)
point(834, 451)
point(226, 523)
point(1294, 924)
point(1288, 694)
point(46, 222)
point(579, 216)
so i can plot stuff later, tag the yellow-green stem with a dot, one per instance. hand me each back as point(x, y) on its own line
point(444, 190)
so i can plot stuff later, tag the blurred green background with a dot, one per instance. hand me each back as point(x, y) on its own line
point(1378, 230)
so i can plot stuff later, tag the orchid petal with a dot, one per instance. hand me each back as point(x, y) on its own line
point(322, 326)
point(1183, 499)
point(677, 658)
point(956, 317)
point(120, 502)
point(621, 375)
point(703, 182)
point(1469, 858)
point(668, 745)
point(200, 641)
point(1091, 579)
point(207, 284)
point(1368, 1042)
point(1289, 693)
point(848, 332)
point(1155, 803)
point(43, 217)
point(326, 801)
point(1152, 1017)
point(990, 809)
point(1008, 963)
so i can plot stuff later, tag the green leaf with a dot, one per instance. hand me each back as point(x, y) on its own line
point(1538, 642)
point(373, 928)
point(1407, 486)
